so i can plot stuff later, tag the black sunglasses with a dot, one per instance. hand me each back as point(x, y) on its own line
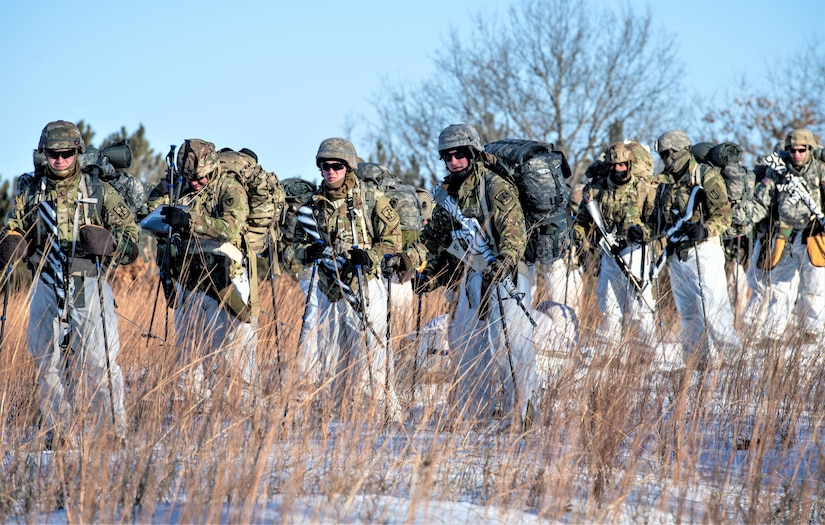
point(53, 154)
point(332, 166)
point(458, 155)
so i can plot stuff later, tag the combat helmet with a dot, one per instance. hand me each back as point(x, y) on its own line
point(800, 137)
point(457, 136)
point(339, 149)
point(59, 135)
point(197, 159)
point(673, 140)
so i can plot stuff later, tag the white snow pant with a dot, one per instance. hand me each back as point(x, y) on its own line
point(794, 290)
point(353, 357)
point(482, 353)
point(77, 380)
point(707, 261)
point(564, 282)
point(618, 300)
point(208, 336)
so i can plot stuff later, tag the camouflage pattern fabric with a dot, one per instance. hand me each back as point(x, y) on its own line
point(265, 198)
point(506, 221)
point(128, 186)
point(772, 194)
point(621, 206)
point(114, 214)
point(217, 212)
point(377, 226)
point(714, 210)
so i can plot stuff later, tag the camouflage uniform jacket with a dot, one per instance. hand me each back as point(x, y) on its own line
point(62, 195)
point(376, 222)
point(504, 220)
point(621, 206)
point(217, 213)
point(773, 198)
point(712, 207)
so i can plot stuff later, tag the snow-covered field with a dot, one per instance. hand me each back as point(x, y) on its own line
point(617, 441)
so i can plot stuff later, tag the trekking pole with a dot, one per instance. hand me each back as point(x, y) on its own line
point(6, 287)
point(419, 276)
point(508, 346)
point(389, 333)
point(307, 302)
point(736, 278)
point(105, 338)
point(276, 332)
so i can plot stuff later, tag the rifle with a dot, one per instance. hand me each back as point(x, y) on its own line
point(472, 241)
point(609, 247)
point(798, 188)
point(674, 234)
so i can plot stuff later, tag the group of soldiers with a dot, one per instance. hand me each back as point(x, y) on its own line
point(346, 249)
point(681, 217)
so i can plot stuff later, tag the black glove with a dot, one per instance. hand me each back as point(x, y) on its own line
point(694, 231)
point(314, 251)
point(635, 234)
point(495, 272)
point(95, 240)
point(359, 257)
point(12, 248)
point(175, 217)
point(397, 264)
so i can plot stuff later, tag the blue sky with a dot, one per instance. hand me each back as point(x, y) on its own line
point(279, 77)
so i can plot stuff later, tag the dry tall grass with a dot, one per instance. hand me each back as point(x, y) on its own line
point(615, 442)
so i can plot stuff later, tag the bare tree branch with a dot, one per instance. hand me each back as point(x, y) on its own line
point(549, 70)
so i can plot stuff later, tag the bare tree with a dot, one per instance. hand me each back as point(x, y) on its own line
point(549, 70)
point(794, 98)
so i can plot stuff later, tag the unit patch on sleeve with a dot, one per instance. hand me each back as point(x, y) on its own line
point(504, 197)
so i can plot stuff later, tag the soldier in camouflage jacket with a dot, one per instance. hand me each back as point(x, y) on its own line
point(350, 230)
point(796, 288)
point(211, 293)
point(474, 244)
point(624, 198)
point(695, 256)
point(72, 222)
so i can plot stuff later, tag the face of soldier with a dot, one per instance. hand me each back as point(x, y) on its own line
point(674, 161)
point(620, 173)
point(456, 160)
point(199, 184)
point(60, 160)
point(333, 171)
point(799, 155)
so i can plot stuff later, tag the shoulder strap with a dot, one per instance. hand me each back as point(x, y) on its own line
point(92, 188)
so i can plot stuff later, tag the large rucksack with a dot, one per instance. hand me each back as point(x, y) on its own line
point(265, 197)
point(539, 173)
point(403, 198)
point(740, 183)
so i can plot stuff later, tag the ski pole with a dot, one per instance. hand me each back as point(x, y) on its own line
point(6, 286)
point(508, 346)
point(105, 338)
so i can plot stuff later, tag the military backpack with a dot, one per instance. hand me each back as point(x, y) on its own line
point(265, 197)
point(740, 183)
point(539, 172)
point(403, 198)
